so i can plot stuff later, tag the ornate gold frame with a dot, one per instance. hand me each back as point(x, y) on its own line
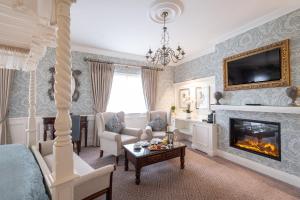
point(285, 67)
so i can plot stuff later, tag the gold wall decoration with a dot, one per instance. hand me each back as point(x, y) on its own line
point(285, 67)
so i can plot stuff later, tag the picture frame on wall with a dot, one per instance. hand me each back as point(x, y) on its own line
point(184, 96)
point(202, 97)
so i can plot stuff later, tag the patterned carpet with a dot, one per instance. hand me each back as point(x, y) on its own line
point(203, 178)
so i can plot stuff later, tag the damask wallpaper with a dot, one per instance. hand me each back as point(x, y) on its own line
point(285, 27)
point(19, 99)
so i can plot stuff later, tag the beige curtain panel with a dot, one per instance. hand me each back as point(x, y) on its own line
point(6, 80)
point(149, 79)
point(102, 77)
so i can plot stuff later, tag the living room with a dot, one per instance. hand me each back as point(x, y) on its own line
point(216, 117)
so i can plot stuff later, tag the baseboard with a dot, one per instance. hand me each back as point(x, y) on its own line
point(269, 171)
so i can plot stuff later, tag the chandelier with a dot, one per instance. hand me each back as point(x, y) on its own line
point(165, 54)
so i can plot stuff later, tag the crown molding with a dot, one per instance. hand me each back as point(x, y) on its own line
point(105, 52)
point(258, 22)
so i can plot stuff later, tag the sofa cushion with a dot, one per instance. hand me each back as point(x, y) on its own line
point(80, 166)
point(114, 124)
point(128, 139)
point(158, 124)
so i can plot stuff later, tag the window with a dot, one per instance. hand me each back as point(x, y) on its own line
point(127, 94)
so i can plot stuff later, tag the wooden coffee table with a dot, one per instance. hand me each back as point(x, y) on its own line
point(144, 157)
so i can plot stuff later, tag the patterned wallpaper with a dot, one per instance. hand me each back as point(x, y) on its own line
point(285, 27)
point(19, 99)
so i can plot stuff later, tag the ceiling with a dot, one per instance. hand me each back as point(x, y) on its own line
point(124, 25)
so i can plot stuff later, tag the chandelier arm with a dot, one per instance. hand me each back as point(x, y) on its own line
point(165, 54)
point(173, 56)
point(179, 55)
point(156, 56)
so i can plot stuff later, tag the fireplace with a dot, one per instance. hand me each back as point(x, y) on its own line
point(259, 137)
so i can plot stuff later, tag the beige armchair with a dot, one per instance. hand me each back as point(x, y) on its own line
point(151, 115)
point(110, 142)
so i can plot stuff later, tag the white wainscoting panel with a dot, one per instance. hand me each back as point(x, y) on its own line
point(17, 127)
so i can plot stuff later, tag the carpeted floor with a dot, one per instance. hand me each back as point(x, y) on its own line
point(203, 178)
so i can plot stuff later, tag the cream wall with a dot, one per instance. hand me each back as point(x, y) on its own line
point(165, 89)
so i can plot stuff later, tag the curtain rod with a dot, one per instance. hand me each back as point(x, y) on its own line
point(122, 64)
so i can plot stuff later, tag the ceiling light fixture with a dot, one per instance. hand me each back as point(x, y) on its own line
point(165, 54)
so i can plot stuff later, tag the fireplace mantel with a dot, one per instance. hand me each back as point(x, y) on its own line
point(268, 109)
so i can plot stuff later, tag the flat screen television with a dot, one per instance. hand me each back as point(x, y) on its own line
point(264, 67)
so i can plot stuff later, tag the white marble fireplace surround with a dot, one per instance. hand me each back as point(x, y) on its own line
point(285, 27)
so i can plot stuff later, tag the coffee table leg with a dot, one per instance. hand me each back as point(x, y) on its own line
point(182, 162)
point(137, 176)
point(126, 161)
point(182, 158)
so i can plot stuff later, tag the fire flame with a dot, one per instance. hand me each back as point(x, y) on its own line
point(259, 146)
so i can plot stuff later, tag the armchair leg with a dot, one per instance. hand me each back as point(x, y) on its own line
point(101, 153)
point(117, 160)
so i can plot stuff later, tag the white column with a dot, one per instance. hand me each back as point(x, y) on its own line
point(63, 170)
point(31, 127)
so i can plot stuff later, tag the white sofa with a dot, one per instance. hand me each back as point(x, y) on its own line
point(91, 183)
point(110, 142)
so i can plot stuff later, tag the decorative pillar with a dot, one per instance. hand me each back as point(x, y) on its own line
point(63, 169)
point(31, 127)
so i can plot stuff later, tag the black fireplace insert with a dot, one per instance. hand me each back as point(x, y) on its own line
point(259, 137)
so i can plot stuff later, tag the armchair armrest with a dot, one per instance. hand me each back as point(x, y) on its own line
point(133, 132)
point(46, 147)
point(148, 131)
point(110, 136)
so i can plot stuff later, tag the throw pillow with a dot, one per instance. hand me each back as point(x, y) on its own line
point(114, 124)
point(157, 124)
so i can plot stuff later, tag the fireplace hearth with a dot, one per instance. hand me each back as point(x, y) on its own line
point(259, 137)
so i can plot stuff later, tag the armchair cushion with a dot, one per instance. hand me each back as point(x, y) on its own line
point(132, 131)
point(157, 124)
point(114, 124)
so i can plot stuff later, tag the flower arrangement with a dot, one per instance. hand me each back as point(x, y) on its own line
point(173, 108)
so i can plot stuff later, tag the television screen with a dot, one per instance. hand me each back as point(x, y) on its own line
point(262, 67)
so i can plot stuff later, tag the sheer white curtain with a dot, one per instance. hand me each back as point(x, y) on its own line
point(127, 93)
